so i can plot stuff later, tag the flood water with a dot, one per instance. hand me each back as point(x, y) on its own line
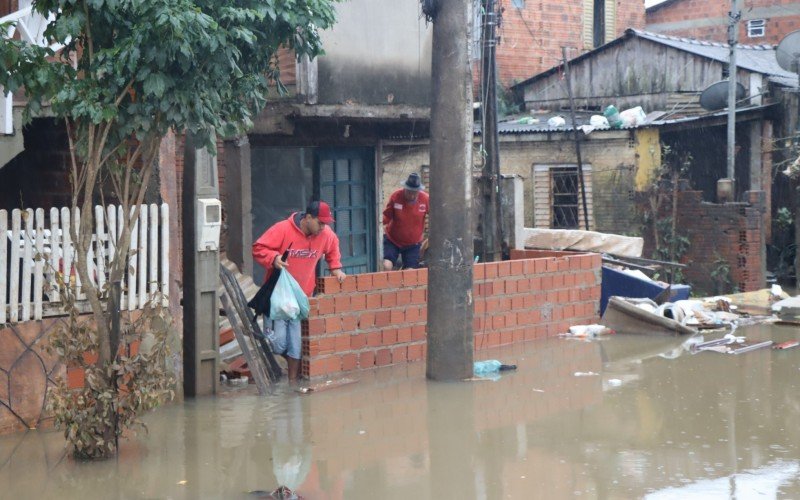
point(646, 420)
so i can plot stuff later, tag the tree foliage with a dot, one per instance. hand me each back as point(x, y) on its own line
point(129, 72)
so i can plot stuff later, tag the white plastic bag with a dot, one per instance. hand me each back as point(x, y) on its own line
point(283, 301)
point(556, 121)
point(598, 121)
point(633, 117)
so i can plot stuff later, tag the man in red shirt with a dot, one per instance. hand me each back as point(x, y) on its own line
point(307, 237)
point(404, 223)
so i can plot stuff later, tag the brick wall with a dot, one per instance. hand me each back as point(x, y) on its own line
point(708, 19)
point(731, 231)
point(379, 319)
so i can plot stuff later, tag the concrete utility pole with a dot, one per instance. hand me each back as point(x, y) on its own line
point(450, 305)
point(733, 37)
point(202, 216)
point(490, 177)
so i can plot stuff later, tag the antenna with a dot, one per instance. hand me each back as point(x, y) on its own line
point(715, 96)
point(788, 52)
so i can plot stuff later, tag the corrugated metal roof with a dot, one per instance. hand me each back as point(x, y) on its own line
point(755, 58)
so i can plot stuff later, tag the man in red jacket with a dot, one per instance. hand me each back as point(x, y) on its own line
point(404, 223)
point(307, 237)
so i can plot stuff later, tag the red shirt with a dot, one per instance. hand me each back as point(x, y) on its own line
point(306, 251)
point(405, 220)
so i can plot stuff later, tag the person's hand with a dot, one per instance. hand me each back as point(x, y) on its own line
point(340, 275)
point(279, 264)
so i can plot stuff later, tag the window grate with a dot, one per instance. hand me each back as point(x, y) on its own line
point(756, 28)
point(565, 191)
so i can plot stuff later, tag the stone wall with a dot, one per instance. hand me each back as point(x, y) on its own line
point(379, 319)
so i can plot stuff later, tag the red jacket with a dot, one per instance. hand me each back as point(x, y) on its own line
point(404, 220)
point(304, 254)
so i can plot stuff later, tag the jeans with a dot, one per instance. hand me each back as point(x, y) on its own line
point(285, 337)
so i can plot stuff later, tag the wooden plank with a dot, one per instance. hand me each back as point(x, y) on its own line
point(132, 262)
point(3, 265)
point(76, 222)
point(27, 264)
point(100, 245)
point(164, 260)
point(14, 276)
point(142, 256)
point(256, 367)
point(152, 256)
point(53, 292)
point(66, 248)
point(38, 270)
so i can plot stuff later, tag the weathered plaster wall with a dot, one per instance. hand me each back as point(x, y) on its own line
point(613, 156)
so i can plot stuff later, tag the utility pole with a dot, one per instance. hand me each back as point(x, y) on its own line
point(733, 37)
point(450, 305)
point(492, 207)
point(575, 136)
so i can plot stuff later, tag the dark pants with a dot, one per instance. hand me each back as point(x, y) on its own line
point(410, 254)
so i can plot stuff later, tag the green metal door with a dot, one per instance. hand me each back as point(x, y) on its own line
point(346, 181)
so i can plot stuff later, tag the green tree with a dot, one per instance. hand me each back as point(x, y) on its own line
point(130, 72)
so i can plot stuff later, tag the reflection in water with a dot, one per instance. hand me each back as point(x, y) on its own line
point(674, 426)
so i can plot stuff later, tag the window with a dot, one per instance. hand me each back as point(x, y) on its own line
point(599, 22)
point(756, 28)
point(520, 4)
point(565, 194)
point(557, 202)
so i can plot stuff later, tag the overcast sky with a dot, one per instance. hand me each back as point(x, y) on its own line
point(648, 3)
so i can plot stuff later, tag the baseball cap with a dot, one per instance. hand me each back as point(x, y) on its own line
point(321, 211)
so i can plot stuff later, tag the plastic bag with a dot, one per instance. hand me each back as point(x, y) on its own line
point(633, 117)
point(599, 121)
point(288, 300)
point(612, 115)
point(556, 121)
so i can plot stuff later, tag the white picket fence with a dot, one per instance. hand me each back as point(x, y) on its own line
point(35, 248)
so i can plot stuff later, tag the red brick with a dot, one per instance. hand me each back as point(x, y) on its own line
point(511, 286)
point(498, 322)
point(383, 318)
point(358, 302)
point(564, 264)
point(366, 359)
point(490, 269)
point(317, 367)
point(410, 277)
point(380, 280)
point(395, 279)
point(334, 364)
point(316, 326)
point(388, 299)
point(389, 336)
point(366, 320)
point(529, 266)
point(404, 297)
point(383, 357)
point(342, 343)
point(325, 305)
point(504, 269)
point(397, 316)
point(404, 334)
point(422, 276)
point(517, 267)
point(358, 341)
point(348, 285)
point(541, 266)
point(349, 323)
point(341, 304)
point(412, 314)
point(329, 285)
point(374, 339)
point(374, 301)
point(479, 272)
point(399, 354)
point(418, 332)
point(419, 296)
point(364, 282)
point(506, 337)
point(333, 325)
point(349, 362)
point(327, 345)
point(415, 352)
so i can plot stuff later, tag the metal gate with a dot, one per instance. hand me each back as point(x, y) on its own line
point(346, 181)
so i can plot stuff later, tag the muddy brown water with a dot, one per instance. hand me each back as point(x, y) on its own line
point(654, 422)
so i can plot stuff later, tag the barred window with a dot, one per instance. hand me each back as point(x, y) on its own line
point(564, 182)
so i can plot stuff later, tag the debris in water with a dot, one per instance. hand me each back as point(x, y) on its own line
point(585, 374)
point(614, 382)
point(786, 345)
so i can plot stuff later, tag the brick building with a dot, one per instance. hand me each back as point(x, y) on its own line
point(532, 32)
point(763, 21)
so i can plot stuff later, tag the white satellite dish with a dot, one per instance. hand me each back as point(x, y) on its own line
point(715, 96)
point(788, 52)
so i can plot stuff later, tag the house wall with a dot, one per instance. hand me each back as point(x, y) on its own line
point(378, 52)
point(708, 19)
point(644, 71)
point(611, 154)
point(531, 35)
point(379, 319)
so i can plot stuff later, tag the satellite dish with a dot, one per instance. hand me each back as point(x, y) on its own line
point(788, 52)
point(715, 96)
